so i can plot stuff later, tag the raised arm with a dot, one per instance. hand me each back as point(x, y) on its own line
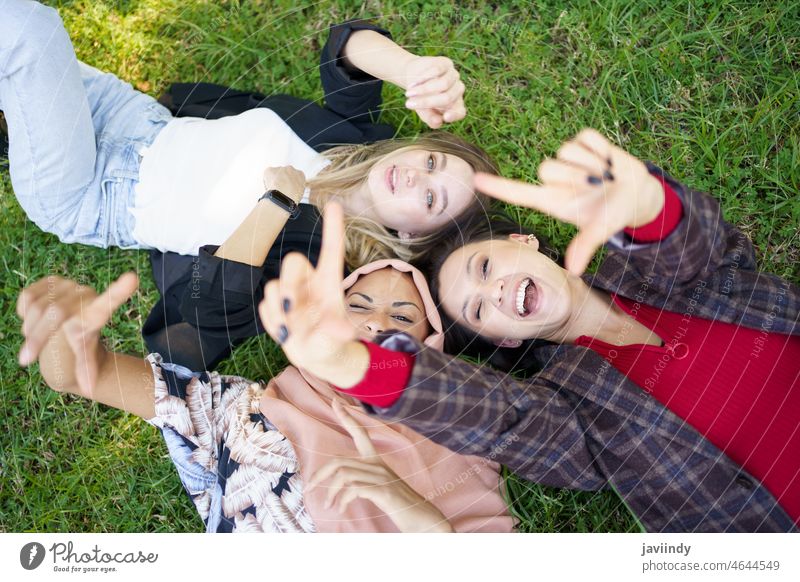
point(358, 55)
point(61, 325)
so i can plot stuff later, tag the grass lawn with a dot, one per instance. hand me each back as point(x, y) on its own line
point(707, 90)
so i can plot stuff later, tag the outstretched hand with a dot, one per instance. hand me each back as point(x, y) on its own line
point(369, 477)
point(435, 91)
point(304, 311)
point(592, 184)
point(56, 311)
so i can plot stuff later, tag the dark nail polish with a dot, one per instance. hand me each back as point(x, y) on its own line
point(594, 180)
point(608, 176)
point(283, 334)
point(287, 304)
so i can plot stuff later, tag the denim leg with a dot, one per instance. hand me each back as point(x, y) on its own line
point(52, 149)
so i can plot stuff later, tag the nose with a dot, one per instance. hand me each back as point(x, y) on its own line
point(411, 177)
point(374, 326)
point(496, 291)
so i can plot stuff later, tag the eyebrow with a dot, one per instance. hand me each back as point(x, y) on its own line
point(469, 270)
point(404, 303)
point(367, 297)
point(445, 200)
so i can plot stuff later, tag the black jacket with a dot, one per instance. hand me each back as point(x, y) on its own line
point(208, 305)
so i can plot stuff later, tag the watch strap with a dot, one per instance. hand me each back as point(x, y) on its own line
point(282, 201)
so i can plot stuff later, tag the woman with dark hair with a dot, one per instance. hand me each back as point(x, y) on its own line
point(291, 454)
point(655, 381)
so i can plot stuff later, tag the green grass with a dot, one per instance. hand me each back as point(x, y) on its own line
point(708, 90)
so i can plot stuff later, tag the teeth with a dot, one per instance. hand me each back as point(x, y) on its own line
point(521, 296)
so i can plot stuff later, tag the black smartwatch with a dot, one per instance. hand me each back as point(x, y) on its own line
point(283, 201)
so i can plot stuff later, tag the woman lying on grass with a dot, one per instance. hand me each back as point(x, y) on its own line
point(96, 162)
point(670, 375)
point(274, 457)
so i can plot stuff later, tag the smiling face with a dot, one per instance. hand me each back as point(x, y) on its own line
point(386, 299)
point(506, 289)
point(419, 191)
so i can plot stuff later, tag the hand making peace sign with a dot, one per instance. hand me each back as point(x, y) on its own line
point(592, 184)
point(304, 310)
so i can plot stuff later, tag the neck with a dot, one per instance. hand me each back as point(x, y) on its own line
point(596, 316)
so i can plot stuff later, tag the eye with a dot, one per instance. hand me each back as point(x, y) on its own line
point(402, 318)
point(485, 268)
point(429, 199)
point(431, 162)
point(356, 306)
point(478, 310)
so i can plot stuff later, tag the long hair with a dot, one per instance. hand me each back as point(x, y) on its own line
point(366, 240)
point(459, 339)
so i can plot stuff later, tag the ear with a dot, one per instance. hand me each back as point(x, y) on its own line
point(405, 235)
point(526, 239)
point(508, 343)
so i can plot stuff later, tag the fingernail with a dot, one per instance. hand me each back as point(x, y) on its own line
point(410, 104)
point(594, 180)
point(287, 304)
point(608, 176)
point(411, 92)
point(24, 356)
point(283, 333)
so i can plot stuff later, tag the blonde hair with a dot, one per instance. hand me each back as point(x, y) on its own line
point(366, 240)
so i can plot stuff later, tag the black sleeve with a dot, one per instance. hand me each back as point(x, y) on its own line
point(222, 297)
point(349, 92)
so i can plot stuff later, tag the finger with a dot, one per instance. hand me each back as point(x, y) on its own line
point(346, 476)
point(271, 313)
point(596, 142)
point(456, 113)
point(360, 436)
point(565, 175)
point(583, 247)
point(439, 71)
point(330, 265)
point(431, 117)
point(296, 280)
point(99, 311)
point(340, 463)
point(40, 329)
point(434, 85)
point(543, 198)
point(576, 154)
point(31, 293)
point(441, 100)
point(353, 492)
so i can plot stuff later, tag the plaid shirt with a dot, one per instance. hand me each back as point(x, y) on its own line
point(580, 424)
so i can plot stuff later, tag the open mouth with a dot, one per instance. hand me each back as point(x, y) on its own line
point(527, 297)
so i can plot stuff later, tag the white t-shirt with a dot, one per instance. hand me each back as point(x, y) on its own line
point(200, 178)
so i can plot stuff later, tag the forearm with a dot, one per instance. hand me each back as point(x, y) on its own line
point(378, 56)
point(251, 241)
point(124, 382)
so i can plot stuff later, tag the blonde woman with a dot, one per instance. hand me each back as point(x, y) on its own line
point(96, 162)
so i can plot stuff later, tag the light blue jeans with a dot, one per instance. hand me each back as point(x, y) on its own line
point(75, 133)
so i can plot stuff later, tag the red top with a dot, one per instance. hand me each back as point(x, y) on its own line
point(738, 387)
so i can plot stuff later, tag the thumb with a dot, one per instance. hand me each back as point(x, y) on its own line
point(581, 250)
